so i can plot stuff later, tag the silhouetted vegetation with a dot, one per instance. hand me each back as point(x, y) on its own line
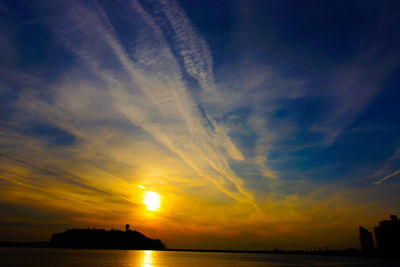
point(102, 239)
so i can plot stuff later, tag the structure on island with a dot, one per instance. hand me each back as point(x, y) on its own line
point(103, 239)
point(387, 237)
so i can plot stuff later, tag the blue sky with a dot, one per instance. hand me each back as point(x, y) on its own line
point(279, 116)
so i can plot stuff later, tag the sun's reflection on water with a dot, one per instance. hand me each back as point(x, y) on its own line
point(147, 259)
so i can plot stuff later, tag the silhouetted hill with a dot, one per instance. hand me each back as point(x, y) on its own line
point(102, 239)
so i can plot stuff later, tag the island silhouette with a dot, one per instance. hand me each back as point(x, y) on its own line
point(387, 236)
point(103, 239)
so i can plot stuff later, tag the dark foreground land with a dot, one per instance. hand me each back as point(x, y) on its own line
point(95, 239)
point(102, 239)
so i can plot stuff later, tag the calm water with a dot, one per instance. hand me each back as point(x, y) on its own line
point(124, 258)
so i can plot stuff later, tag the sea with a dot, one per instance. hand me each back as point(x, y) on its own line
point(46, 257)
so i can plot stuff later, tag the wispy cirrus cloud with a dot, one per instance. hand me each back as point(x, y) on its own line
point(389, 166)
point(353, 85)
point(145, 85)
point(193, 49)
point(387, 177)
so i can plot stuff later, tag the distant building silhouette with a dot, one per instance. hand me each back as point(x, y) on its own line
point(366, 240)
point(127, 226)
point(387, 236)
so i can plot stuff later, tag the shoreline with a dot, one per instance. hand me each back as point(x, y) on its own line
point(350, 252)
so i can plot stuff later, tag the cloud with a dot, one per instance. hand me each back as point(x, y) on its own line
point(192, 47)
point(352, 86)
point(387, 177)
point(145, 85)
point(389, 166)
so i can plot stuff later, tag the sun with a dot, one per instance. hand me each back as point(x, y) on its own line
point(152, 201)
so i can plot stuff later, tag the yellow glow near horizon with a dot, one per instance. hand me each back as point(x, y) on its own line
point(152, 201)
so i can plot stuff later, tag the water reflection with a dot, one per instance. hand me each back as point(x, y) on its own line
point(147, 259)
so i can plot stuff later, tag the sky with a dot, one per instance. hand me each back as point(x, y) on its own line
point(252, 124)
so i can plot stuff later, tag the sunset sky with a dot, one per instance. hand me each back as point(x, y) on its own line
point(207, 124)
